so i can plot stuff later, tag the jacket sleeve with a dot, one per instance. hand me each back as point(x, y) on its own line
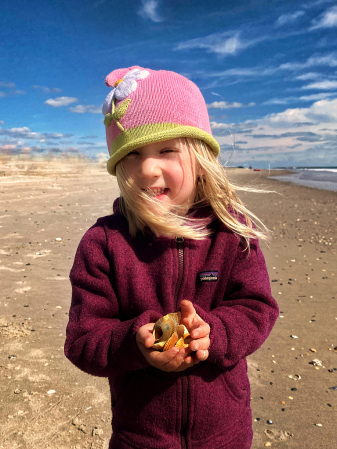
point(97, 340)
point(248, 311)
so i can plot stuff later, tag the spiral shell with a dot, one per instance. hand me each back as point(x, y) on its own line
point(169, 333)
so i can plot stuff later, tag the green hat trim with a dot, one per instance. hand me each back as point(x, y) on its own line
point(142, 135)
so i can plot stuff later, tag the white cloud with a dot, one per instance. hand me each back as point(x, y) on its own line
point(227, 43)
point(321, 114)
point(288, 100)
point(293, 133)
point(224, 105)
point(285, 100)
point(7, 84)
point(327, 20)
point(2, 122)
point(308, 76)
point(26, 133)
point(228, 105)
point(149, 10)
point(315, 97)
point(243, 72)
point(323, 85)
point(329, 60)
point(61, 101)
point(288, 18)
point(82, 109)
point(47, 90)
point(12, 92)
point(216, 125)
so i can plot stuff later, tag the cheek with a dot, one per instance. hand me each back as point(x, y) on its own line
point(130, 169)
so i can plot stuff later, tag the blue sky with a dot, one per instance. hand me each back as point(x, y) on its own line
point(267, 70)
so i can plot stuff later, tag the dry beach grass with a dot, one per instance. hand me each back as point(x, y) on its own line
point(46, 206)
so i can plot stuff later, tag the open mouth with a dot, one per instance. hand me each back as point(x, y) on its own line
point(157, 193)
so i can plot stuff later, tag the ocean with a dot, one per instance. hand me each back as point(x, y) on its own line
point(317, 177)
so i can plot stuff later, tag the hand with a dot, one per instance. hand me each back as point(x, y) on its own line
point(199, 331)
point(171, 360)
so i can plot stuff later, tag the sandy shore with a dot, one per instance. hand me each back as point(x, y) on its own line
point(48, 403)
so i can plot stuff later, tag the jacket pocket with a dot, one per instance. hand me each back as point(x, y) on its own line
point(236, 380)
point(218, 402)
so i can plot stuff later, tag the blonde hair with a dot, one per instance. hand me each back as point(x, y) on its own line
point(212, 189)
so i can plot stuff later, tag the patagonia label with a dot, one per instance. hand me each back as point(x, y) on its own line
point(209, 276)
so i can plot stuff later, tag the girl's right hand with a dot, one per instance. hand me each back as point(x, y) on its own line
point(171, 360)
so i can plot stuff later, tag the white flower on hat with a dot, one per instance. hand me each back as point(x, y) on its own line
point(123, 88)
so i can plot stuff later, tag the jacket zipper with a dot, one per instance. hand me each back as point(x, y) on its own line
point(184, 414)
point(184, 379)
point(180, 247)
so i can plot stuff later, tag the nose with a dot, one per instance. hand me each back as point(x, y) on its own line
point(149, 168)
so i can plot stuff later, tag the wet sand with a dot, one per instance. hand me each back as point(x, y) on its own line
point(46, 402)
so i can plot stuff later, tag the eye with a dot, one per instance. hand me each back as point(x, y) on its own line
point(168, 150)
point(132, 153)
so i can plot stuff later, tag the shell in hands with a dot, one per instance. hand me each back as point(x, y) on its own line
point(168, 332)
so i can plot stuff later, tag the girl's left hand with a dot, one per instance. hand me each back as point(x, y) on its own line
point(199, 330)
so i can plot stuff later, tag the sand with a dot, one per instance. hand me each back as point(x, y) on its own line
point(46, 402)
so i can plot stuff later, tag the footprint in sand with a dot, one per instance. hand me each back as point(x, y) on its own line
point(278, 435)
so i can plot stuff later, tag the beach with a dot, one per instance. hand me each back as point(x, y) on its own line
point(46, 206)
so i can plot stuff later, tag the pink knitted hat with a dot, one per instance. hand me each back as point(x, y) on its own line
point(147, 106)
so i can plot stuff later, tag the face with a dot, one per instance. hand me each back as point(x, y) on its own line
point(164, 170)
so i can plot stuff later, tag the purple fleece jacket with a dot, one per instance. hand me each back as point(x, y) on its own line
point(121, 283)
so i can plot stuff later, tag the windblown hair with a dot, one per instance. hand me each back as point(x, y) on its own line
point(213, 189)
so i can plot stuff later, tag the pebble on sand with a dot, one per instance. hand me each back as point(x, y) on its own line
point(267, 444)
point(51, 391)
point(295, 377)
point(316, 362)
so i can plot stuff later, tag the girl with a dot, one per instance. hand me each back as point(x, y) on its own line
point(179, 239)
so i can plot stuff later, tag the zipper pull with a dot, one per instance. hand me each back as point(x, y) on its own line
point(180, 239)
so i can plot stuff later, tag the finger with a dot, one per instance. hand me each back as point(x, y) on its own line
point(145, 336)
point(148, 335)
point(200, 330)
point(149, 340)
point(187, 311)
point(174, 363)
point(200, 344)
point(201, 355)
point(186, 364)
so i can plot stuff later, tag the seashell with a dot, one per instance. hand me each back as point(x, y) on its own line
point(169, 333)
point(181, 343)
point(171, 342)
point(164, 328)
